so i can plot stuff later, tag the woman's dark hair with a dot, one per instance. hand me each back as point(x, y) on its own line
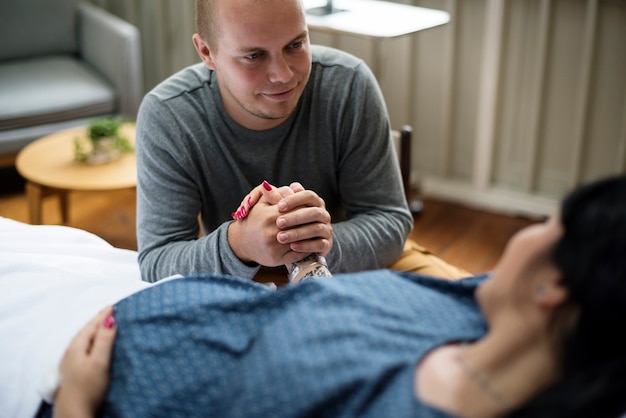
point(591, 256)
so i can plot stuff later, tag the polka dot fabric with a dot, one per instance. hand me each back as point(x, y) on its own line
point(217, 346)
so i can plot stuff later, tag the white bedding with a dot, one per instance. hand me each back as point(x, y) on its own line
point(53, 279)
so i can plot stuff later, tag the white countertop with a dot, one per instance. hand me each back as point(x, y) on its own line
point(374, 18)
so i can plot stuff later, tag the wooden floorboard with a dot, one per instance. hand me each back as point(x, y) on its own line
point(466, 237)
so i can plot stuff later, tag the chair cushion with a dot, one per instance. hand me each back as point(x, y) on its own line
point(51, 89)
point(37, 27)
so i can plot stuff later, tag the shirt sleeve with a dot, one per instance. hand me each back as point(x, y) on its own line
point(168, 203)
point(369, 182)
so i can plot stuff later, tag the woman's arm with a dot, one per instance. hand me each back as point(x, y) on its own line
point(312, 266)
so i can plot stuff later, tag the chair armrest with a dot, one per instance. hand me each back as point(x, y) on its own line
point(402, 142)
point(112, 46)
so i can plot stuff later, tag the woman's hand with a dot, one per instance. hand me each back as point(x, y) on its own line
point(287, 224)
point(84, 368)
point(272, 195)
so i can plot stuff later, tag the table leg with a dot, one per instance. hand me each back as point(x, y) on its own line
point(63, 201)
point(34, 194)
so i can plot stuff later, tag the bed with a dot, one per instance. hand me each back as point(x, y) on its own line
point(56, 278)
point(38, 319)
point(53, 279)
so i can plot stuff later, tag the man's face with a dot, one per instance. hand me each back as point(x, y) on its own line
point(262, 59)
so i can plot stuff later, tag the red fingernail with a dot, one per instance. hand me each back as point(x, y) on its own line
point(267, 186)
point(234, 216)
point(109, 322)
point(244, 212)
point(249, 202)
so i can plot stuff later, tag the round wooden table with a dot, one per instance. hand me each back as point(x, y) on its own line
point(49, 167)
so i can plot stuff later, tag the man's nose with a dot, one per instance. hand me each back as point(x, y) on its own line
point(280, 69)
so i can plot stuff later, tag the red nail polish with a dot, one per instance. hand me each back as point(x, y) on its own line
point(234, 216)
point(249, 202)
point(244, 212)
point(109, 322)
point(267, 186)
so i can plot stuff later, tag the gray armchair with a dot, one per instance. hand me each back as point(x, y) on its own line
point(63, 63)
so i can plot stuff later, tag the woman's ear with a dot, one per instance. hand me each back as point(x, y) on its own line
point(550, 293)
point(203, 51)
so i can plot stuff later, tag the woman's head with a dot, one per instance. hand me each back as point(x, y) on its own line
point(592, 251)
point(581, 249)
point(590, 256)
point(525, 270)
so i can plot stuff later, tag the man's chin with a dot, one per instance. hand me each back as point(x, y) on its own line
point(275, 113)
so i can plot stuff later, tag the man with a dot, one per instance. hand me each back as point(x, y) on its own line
point(266, 105)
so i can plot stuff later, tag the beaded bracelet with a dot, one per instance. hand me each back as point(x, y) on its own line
point(311, 266)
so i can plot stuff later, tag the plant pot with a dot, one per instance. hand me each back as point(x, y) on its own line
point(104, 151)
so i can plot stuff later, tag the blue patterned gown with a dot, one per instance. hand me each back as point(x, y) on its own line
point(217, 346)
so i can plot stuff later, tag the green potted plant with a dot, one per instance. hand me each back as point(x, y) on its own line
point(103, 143)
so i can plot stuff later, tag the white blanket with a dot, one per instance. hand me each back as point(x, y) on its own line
point(53, 279)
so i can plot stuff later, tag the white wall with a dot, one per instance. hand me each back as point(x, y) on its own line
point(512, 103)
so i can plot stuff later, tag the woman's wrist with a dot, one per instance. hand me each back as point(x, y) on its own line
point(68, 406)
point(311, 266)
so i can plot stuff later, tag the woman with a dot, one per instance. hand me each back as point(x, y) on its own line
point(538, 337)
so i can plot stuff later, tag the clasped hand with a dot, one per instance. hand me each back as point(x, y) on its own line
point(276, 226)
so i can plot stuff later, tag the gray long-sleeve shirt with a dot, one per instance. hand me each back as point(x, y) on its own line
point(193, 159)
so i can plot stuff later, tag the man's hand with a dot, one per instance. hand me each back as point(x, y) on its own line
point(280, 225)
point(304, 223)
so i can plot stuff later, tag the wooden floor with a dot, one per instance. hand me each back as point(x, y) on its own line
point(465, 237)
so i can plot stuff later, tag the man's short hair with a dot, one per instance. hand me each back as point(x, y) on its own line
point(206, 24)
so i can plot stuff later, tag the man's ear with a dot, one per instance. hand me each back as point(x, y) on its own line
point(203, 51)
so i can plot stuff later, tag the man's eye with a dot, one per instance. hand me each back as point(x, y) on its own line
point(296, 45)
point(254, 56)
